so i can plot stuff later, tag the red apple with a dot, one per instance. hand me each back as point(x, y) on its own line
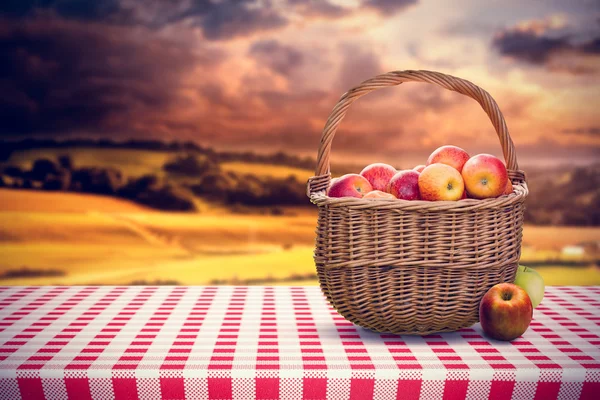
point(450, 155)
point(405, 185)
point(419, 168)
point(509, 187)
point(505, 311)
point(378, 194)
point(485, 176)
point(331, 182)
point(378, 175)
point(350, 185)
point(440, 182)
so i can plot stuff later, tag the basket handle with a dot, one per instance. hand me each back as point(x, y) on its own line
point(395, 78)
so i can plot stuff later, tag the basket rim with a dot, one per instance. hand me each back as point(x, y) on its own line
point(521, 191)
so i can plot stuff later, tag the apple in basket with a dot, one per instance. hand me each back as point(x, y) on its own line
point(450, 155)
point(350, 185)
point(440, 182)
point(509, 187)
point(505, 311)
point(485, 176)
point(419, 168)
point(378, 194)
point(405, 185)
point(331, 182)
point(378, 175)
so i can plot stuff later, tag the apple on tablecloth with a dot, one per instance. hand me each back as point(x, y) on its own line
point(532, 282)
point(505, 311)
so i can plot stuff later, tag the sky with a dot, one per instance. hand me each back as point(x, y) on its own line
point(264, 75)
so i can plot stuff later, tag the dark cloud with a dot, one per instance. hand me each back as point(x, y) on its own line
point(104, 10)
point(229, 19)
point(388, 7)
point(547, 147)
point(591, 131)
point(319, 9)
point(356, 141)
point(221, 20)
point(292, 102)
point(218, 20)
point(63, 76)
point(427, 97)
point(528, 46)
point(592, 47)
point(536, 47)
point(276, 56)
point(299, 137)
point(358, 64)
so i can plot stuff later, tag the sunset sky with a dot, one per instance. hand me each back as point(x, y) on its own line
point(264, 75)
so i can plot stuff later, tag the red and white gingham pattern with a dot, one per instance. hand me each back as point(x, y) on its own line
point(226, 342)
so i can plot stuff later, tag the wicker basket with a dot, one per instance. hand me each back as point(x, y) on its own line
point(415, 267)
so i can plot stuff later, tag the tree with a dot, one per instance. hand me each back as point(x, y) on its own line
point(191, 165)
point(65, 162)
point(42, 168)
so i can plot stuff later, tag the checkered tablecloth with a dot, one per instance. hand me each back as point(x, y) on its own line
point(228, 342)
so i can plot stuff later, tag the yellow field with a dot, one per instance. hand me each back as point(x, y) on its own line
point(110, 241)
point(57, 202)
point(89, 239)
point(557, 276)
point(273, 171)
point(554, 238)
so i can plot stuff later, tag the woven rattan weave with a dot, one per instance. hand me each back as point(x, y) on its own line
point(415, 267)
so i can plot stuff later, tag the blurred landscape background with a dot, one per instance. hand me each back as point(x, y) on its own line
point(148, 142)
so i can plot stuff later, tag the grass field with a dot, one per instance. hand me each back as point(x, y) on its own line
point(130, 162)
point(139, 162)
point(274, 171)
point(28, 201)
point(66, 238)
point(110, 241)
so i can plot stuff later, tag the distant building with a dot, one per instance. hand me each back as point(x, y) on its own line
point(573, 251)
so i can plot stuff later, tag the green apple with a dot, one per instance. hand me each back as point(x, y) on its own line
point(532, 282)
